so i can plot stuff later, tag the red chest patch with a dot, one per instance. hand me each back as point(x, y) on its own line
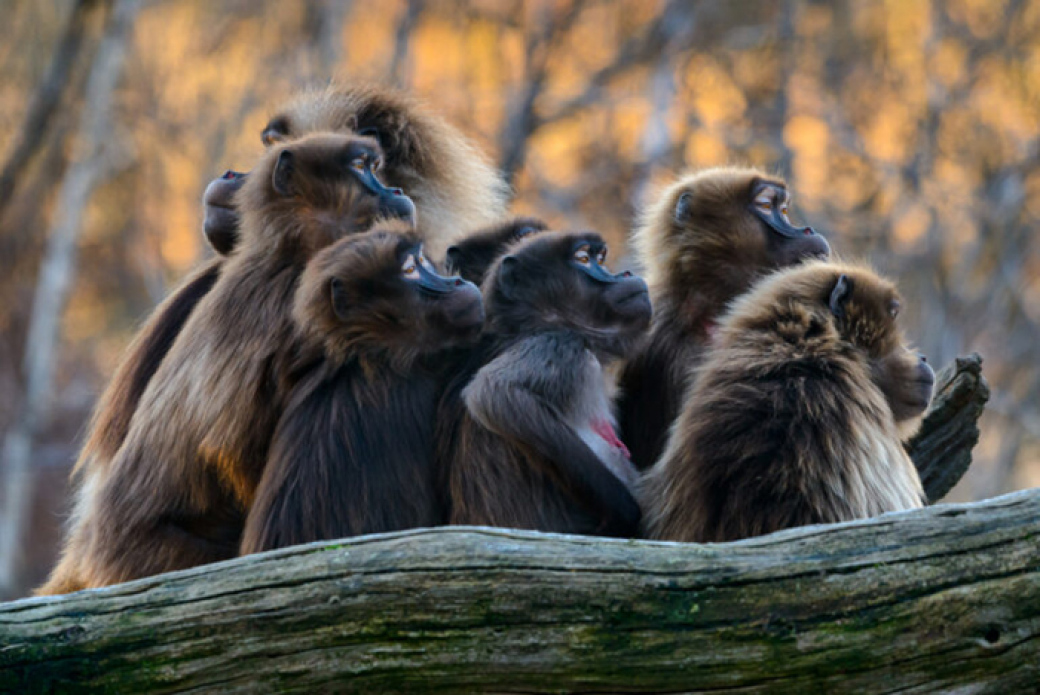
point(604, 429)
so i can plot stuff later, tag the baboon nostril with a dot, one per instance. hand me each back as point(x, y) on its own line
point(397, 191)
point(808, 231)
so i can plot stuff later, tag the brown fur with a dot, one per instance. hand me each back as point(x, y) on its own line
point(426, 156)
point(455, 187)
point(695, 263)
point(790, 421)
point(353, 452)
point(176, 492)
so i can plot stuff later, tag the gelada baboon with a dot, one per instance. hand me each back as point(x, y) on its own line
point(176, 492)
point(702, 244)
point(453, 186)
point(473, 254)
point(797, 415)
point(526, 432)
point(354, 450)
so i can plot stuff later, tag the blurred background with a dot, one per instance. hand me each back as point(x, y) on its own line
point(908, 130)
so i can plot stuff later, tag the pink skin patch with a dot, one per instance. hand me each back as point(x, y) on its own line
point(711, 329)
point(604, 429)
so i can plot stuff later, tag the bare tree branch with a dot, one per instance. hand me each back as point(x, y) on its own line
point(521, 121)
point(675, 24)
point(45, 100)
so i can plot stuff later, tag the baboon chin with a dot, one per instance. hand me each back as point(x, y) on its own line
point(702, 244)
point(798, 413)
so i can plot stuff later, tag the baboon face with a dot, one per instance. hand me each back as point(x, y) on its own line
point(866, 309)
point(321, 187)
point(729, 226)
point(367, 113)
point(560, 280)
point(786, 243)
point(385, 293)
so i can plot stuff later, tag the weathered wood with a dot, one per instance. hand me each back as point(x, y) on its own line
point(941, 599)
point(942, 449)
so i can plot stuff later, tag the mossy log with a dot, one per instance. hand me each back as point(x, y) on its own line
point(941, 599)
point(942, 449)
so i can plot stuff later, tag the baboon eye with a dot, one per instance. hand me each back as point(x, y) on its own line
point(358, 164)
point(377, 163)
point(783, 213)
point(410, 269)
point(425, 263)
point(893, 308)
point(582, 255)
point(765, 201)
point(601, 257)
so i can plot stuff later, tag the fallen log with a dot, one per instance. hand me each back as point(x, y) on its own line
point(941, 599)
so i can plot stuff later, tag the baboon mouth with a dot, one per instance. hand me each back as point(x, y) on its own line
point(631, 296)
point(917, 403)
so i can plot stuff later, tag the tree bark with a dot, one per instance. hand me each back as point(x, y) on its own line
point(936, 600)
point(942, 449)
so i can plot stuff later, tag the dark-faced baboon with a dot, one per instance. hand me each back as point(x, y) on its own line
point(797, 415)
point(354, 451)
point(177, 490)
point(526, 430)
point(474, 253)
point(702, 244)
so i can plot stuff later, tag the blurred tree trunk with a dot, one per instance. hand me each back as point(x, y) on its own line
point(944, 599)
point(89, 165)
point(328, 42)
point(398, 72)
point(44, 102)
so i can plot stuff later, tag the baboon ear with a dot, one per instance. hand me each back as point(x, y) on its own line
point(275, 131)
point(507, 275)
point(682, 206)
point(839, 295)
point(281, 179)
point(340, 301)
